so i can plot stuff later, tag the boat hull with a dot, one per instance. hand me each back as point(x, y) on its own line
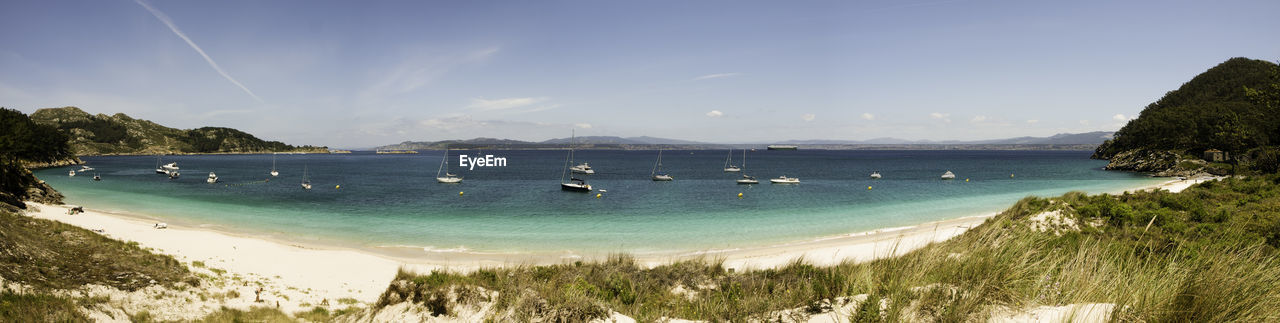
point(449, 180)
point(662, 178)
point(748, 181)
point(575, 187)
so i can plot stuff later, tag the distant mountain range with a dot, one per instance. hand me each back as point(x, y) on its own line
point(1088, 140)
point(120, 134)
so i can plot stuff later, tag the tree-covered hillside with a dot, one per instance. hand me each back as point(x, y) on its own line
point(1225, 108)
point(23, 140)
point(120, 134)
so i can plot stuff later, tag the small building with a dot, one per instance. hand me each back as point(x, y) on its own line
point(1214, 155)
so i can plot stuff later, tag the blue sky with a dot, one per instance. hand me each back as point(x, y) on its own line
point(357, 74)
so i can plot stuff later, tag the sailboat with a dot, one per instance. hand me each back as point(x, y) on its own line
point(574, 184)
point(158, 169)
point(656, 174)
point(728, 163)
point(96, 177)
point(306, 183)
point(213, 178)
point(170, 166)
point(746, 179)
point(582, 168)
point(71, 173)
point(448, 178)
point(274, 173)
point(875, 175)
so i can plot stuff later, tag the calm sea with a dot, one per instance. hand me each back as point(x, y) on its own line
point(394, 200)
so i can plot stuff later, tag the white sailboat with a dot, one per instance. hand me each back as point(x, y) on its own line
point(71, 173)
point(728, 163)
point(582, 168)
point(746, 179)
point(158, 169)
point(96, 177)
point(306, 183)
point(875, 175)
point(274, 173)
point(448, 178)
point(574, 184)
point(656, 173)
point(213, 178)
point(948, 175)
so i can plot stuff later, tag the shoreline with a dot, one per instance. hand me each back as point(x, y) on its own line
point(333, 272)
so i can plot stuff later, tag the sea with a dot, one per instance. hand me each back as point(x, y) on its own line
point(368, 200)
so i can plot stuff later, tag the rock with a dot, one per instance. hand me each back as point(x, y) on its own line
point(1144, 160)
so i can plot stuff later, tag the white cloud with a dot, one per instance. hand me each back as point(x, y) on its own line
point(715, 76)
point(945, 117)
point(868, 116)
point(1033, 121)
point(715, 114)
point(977, 119)
point(173, 27)
point(1119, 117)
point(502, 104)
point(582, 125)
point(807, 117)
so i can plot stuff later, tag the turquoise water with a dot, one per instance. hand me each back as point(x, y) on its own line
point(393, 200)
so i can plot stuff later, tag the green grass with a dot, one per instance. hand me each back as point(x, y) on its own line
point(37, 307)
point(49, 254)
point(1209, 255)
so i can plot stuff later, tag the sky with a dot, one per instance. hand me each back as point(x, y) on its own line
point(355, 74)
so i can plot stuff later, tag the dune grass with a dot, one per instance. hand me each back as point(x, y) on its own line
point(1207, 254)
point(50, 254)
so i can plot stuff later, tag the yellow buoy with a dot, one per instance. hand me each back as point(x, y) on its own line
point(868, 188)
point(337, 187)
point(459, 193)
point(739, 195)
point(598, 195)
point(966, 180)
point(1010, 175)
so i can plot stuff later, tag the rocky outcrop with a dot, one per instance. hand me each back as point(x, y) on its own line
point(60, 163)
point(1163, 163)
point(1144, 160)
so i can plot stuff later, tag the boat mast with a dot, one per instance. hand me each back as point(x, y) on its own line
point(442, 160)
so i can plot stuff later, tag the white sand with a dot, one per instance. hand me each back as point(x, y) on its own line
point(315, 275)
point(306, 275)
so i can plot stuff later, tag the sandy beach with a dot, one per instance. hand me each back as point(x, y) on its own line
point(303, 275)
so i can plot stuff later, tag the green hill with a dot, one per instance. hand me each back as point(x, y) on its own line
point(102, 134)
point(1230, 107)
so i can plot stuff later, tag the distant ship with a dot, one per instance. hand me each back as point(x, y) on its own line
point(782, 147)
point(875, 175)
point(213, 178)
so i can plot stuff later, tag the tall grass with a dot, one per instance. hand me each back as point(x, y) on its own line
point(1207, 256)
